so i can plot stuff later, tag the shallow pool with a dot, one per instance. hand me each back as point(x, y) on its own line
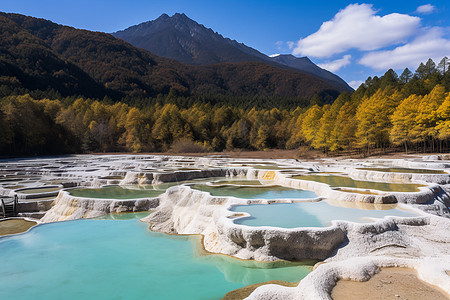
point(341, 181)
point(39, 190)
point(115, 192)
point(162, 186)
point(260, 192)
point(122, 259)
point(237, 182)
point(404, 170)
point(314, 214)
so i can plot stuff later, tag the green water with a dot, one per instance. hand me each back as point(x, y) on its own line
point(404, 170)
point(310, 214)
point(237, 182)
point(165, 185)
point(122, 259)
point(40, 190)
point(13, 187)
point(124, 216)
point(341, 181)
point(38, 199)
point(115, 192)
point(246, 192)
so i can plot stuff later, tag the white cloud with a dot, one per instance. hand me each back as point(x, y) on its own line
point(355, 83)
point(337, 64)
point(425, 9)
point(430, 44)
point(357, 26)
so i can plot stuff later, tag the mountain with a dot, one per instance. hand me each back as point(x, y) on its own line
point(181, 38)
point(39, 54)
point(28, 62)
point(306, 65)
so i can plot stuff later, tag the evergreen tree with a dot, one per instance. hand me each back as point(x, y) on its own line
point(390, 78)
point(443, 65)
point(406, 76)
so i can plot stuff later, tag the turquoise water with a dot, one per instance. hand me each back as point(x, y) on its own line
point(246, 192)
point(122, 259)
point(311, 214)
point(114, 192)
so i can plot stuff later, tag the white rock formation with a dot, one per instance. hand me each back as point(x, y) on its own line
point(349, 250)
point(68, 207)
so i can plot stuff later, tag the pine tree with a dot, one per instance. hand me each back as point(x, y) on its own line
point(443, 65)
point(406, 76)
point(426, 69)
point(390, 78)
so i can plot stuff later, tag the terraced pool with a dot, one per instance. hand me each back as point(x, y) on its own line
point(122, 259)
point(314, 214)
point(38, 190)
point(404, 170)
point(258, 192)
point(341, 181)
point(115, 192)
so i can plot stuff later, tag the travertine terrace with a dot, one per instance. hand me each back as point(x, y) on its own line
point(346, 250)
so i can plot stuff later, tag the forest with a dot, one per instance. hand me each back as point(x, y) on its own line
point(50, 60)
point(410, 112)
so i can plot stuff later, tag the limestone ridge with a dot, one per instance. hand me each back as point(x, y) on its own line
point(181, 38)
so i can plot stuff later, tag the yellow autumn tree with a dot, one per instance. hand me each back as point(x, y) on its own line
point(343, 133)
point(373, 117)
point(311, 123)
point(404, 120)
point(443, 123)
point(427, 117)
point(133, 130)
point(295, 129)
point(322, 139)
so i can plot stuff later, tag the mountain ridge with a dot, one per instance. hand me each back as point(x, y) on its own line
point(183, 39)
point(112, 67)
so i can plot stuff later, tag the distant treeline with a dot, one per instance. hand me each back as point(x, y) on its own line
point(411, 111)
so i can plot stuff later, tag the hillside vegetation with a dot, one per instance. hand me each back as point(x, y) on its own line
point(49, 60)
point(411, 112)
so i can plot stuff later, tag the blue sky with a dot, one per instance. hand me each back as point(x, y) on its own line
point(352, 40)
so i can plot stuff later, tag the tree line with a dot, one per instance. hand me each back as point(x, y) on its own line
point(411, 111)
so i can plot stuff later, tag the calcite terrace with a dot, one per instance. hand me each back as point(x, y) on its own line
point(347, 250)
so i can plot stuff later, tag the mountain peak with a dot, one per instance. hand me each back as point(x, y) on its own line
point(163, 17)
point(180, 15)
point(183, 39)
point(176, 17)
